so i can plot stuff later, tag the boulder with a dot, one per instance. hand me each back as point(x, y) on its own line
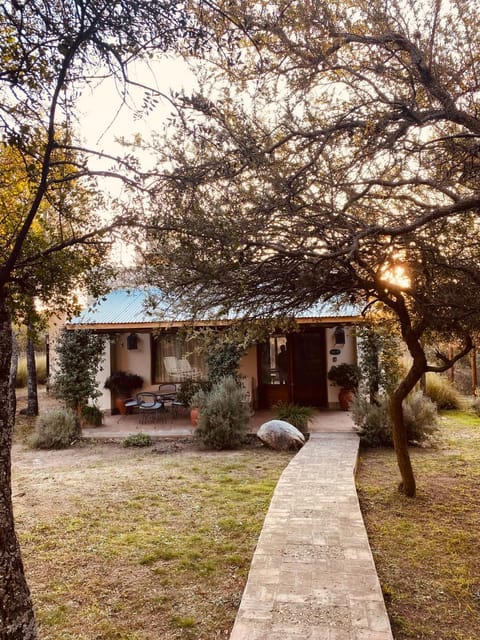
point(281, 435)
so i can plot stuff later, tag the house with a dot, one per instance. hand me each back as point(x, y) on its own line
point(288, 367)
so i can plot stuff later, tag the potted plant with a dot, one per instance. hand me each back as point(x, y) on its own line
point(347, 377)
point(123, 384)
point(189, 395)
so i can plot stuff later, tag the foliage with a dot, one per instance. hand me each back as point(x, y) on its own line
point(92, 415)
point(223, 359)
point(123, 383)
point(379, 351)
point(367, 194)
point(345, 375)
point(224, 416)
point(442, 392)
point(296, 415)
point(188, 390)
point(79, 355)
point(50, 53)
point(374, 425)
point(56, 429)
point(138, 440)
point(41, 363)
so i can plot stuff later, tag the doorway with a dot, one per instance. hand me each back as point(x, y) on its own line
point(292, 369)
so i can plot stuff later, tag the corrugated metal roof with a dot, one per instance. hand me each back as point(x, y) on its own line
point(130, 306)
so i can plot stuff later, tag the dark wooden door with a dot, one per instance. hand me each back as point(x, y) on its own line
point(308, 368)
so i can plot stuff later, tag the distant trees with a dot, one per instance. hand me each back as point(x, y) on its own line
point(337, 159)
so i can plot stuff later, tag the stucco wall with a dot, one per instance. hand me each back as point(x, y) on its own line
point(348, 353)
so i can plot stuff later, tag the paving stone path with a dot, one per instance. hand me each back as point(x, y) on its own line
point(312, 575)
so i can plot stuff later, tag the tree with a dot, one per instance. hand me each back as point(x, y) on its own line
point(338, 159)
point(49, 52)
point(79, 359)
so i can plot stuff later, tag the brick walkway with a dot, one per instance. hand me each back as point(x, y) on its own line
point(312, 576)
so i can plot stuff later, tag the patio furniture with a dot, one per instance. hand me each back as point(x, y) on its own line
point(179, 369)
point(149, 406)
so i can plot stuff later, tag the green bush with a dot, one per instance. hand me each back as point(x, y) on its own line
point(223, 415)
point(374, 426)
point(295, 415)
point(372, 422)
point(442, 392)
point(138, 440)
point(92, 415)
point(56, 429)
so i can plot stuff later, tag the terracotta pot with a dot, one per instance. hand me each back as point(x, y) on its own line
point(345, 398)
point(194, 416)
point(120, 404)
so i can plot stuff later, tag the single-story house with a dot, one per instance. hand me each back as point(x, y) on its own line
point(289, 367)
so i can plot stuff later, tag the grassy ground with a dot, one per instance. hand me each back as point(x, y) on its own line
point(427, 549)
point(137, 544)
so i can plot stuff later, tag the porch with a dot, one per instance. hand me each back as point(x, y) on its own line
point(117, 427)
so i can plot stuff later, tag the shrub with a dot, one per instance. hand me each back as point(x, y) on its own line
point(421, 418)
point(56, 429)
point(345, 375)
point(442, 392)
point(79, 356)
point(224, 416)
point(92, 415)
point(138, 440)
point(372, 422)
point(374, 425)
point(295, 415)
point(123, 383)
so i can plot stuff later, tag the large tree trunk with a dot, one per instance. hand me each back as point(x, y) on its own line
point(399, 429)
point(400, 442)
point(17, 620)
point(32, 406)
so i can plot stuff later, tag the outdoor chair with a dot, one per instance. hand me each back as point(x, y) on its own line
point(188, 372)
point(149, 407)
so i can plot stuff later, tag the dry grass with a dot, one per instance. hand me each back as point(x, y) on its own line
point(426, 549)
point(140, 544)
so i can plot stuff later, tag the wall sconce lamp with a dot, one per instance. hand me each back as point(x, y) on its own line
point(339, 335)
point(132, 341)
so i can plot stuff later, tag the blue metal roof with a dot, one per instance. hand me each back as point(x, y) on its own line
point(131, 306)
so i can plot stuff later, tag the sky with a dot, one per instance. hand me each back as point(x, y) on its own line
point(103, 119)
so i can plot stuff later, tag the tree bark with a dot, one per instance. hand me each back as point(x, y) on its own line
point(17, 621)
point(400, 442)
point(32, 405)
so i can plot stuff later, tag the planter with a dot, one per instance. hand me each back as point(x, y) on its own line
point(120, 404)
point(345, 398)
point(194, 416)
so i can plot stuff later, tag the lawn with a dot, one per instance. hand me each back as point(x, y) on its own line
point(140, 544)
point(427, 549)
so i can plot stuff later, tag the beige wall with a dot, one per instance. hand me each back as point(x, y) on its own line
point(348, 353)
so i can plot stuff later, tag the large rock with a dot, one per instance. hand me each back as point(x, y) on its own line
point(281, 435)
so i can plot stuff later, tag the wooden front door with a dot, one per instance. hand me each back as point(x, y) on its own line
point(293, 369)
point(309, 368)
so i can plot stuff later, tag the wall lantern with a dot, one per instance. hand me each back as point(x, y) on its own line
point(339, 335)
point(132, 341)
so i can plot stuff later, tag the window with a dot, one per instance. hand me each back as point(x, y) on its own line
point(177, 358)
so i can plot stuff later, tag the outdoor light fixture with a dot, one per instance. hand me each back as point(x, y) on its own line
point(132, 341)
point(339, 335)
